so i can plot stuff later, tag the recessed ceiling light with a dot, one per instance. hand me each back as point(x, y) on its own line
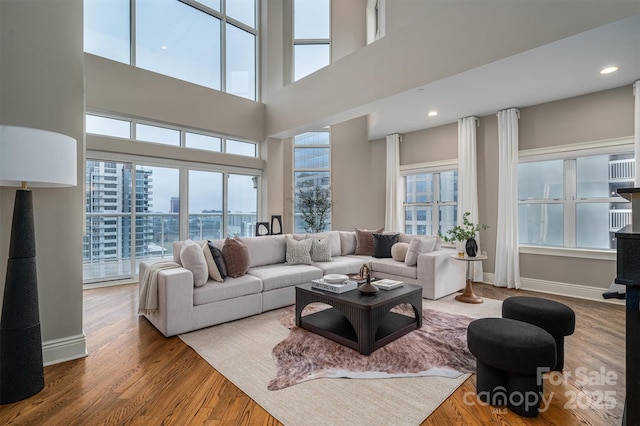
point(163, 47)
point(432, 113)
point(609, 70)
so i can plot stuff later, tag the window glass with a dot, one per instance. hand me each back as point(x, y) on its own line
point(541, 224)
point(205, 205)
point(213, 4)
point(242, 10)
point(541, 180)
point(311, 19)
point(147, 133)
point(419, 188)
point(448, 218)
point(418, 219)
point(242, 205)
point(596, 224)
point(209, 143)
point(241, 148)
point(311, 158)
point(241, 63)
point(106, 29)
point(312, 138)
point(307, 180)
point(449, 186)
point(108, 126)
point(309, 58)
point(599, 176)
point(190, 51)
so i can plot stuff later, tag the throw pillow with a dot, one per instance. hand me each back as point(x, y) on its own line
point(218, 258)
point(192, 258)
point(364, 241)
point(399, 251)
point(321, 249)
point(298, 252)
point(236, 257)
point(382, 244)
point(214, 273)
point(420, 245)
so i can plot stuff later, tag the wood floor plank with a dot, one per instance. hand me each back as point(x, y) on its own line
point(135, 376)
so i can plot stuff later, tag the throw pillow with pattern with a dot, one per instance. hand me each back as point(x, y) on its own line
point(320, 249)
point(298, 252)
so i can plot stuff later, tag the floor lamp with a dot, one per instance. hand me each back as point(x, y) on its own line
point(36, 158)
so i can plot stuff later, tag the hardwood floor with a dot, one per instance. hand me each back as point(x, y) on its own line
point(135, 376)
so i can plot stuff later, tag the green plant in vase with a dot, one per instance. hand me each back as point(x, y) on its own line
point(464, 236)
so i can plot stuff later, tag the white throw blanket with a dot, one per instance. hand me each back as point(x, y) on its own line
point(148, 303)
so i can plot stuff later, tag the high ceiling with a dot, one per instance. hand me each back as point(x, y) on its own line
point(562, 69)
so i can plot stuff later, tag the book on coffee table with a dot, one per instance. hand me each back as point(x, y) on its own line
point(342, 287)
point(386, 284)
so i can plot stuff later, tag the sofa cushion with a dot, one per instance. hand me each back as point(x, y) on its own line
point(320, 249)
point(214, 272)
point(382, 244)
point(265, 250)
point(399, 251)
point(364, 241)
point(236, 257)
point(218, 258)
point(391, 267)
point(347, 242)
point(192, 258)
point(177, 246)
point(341, 265)
point(421, 245)
point(298, 252)
point(279, 276)
point(231, 288)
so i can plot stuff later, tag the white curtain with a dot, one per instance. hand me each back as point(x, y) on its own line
point(507, 266)
point(636, 91)
point(468, 179)
point(394, 200)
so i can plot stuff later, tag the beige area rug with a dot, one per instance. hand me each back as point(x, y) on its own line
point(241, 351)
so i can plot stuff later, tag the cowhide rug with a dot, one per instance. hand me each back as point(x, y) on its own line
point(438, 348)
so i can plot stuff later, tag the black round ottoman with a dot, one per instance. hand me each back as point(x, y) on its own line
point(510, 356)
point(557, 319)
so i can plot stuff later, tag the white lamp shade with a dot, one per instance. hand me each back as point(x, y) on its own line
point(39, 157)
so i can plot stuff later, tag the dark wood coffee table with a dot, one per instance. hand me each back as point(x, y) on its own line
point(359, 321)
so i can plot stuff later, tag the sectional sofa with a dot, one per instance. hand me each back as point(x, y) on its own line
point(270, 283)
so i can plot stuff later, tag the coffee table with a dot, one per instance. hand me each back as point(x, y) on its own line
point(358, 321)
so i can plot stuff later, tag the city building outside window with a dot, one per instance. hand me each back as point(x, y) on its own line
point(212, 43)
point(431, 202)
point(311, 168)
point(312, 36)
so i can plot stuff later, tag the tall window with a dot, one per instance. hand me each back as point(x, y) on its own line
point(180, 38)
point(311, 168)
point(431, 202)
point(571, 202)
point(312, 36)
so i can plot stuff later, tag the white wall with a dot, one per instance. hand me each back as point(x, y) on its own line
point(459, 38)
point(42, 86)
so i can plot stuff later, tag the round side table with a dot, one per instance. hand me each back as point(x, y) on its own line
point(468, 296)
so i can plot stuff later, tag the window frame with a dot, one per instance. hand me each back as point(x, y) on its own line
point(306, 41)
point(435, 168)
point(224, 20)
point(569, 154)
point(309, 169)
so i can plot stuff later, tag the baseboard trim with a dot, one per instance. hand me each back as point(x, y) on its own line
point(558, 288)
point(64, 349)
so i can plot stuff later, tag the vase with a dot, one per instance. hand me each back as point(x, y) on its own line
point(471, 247)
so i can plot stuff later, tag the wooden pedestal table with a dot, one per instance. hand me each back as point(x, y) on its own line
point(468, 296)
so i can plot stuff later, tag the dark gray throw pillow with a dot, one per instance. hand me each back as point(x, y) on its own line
point(382, 244)
point(217, 257)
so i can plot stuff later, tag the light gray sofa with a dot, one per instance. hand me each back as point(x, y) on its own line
point(270, 282)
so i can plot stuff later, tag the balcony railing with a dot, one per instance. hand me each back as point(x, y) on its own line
point(151, 237)
point(622, 170)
